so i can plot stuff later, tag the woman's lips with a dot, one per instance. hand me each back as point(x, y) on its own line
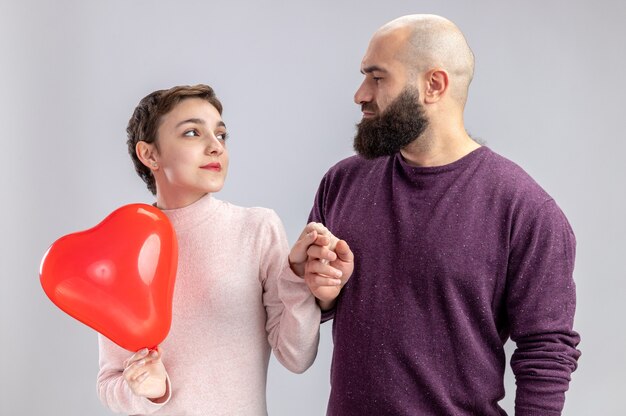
point(212, 166)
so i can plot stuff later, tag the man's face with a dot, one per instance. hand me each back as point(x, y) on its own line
point(392, 115)
point(388, 132)
point(385, 75)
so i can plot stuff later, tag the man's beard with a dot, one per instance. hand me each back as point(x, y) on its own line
point(401, 123)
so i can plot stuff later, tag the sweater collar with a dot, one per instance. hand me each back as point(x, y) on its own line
point(460, 163)
point(191, 215)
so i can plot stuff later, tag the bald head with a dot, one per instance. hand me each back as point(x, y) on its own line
point(429, 42)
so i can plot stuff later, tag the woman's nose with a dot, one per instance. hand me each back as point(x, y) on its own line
point(214, 146)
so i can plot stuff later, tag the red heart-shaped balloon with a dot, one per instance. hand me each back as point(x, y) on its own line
point(117, 277)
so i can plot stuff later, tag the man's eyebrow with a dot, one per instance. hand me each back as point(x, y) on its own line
point(199, 121)
point(372, 68)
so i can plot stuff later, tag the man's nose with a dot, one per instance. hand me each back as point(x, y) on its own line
point(363, 94)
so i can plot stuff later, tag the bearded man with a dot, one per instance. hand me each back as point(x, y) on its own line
point(456, 249)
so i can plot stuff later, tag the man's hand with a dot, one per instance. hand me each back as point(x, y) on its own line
point(325, 262)
point(328, 268)
point(145, 374)
point(298, 255)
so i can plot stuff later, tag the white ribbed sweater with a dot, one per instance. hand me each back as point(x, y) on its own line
point(234, 297)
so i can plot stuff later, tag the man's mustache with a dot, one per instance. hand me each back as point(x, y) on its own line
point(369, 107)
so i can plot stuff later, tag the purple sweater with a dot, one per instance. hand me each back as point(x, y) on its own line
point(450, 262)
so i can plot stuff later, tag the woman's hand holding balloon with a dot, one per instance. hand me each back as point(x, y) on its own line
point(145, 374)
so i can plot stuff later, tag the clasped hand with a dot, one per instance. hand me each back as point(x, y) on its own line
point(324, 261)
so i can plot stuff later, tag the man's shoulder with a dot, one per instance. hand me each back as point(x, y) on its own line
point(354, 164)
point(506, 176)
point(351, 162)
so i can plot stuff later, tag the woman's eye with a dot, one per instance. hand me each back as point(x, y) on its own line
point(222, 136)
point(190, 133)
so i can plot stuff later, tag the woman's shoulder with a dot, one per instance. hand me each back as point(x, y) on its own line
point(250, 216)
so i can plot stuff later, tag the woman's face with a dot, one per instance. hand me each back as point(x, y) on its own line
point(192, 159)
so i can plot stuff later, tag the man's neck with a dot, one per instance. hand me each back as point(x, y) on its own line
point(431, 150)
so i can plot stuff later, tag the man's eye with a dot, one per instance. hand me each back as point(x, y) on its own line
point(377, 79)
point(191, 133)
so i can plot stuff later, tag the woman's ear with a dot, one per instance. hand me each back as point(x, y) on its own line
point(436, 85)
point(147, 154)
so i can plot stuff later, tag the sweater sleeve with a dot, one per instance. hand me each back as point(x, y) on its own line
point(541, 299)
point(317, 215)
point(113, 390)
point(293, 317)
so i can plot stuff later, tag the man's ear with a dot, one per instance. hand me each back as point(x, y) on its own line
point(147, 154)
point(437, 84)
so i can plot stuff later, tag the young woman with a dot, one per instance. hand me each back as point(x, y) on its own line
point(239, 291)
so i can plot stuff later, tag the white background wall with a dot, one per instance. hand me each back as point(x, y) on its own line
point(548, 93)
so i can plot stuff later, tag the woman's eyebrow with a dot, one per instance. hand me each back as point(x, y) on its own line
point(191, 120)
point(199, 121)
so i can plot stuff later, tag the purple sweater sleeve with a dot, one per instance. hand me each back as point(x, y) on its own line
point(317, 215)
point(540, 304)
